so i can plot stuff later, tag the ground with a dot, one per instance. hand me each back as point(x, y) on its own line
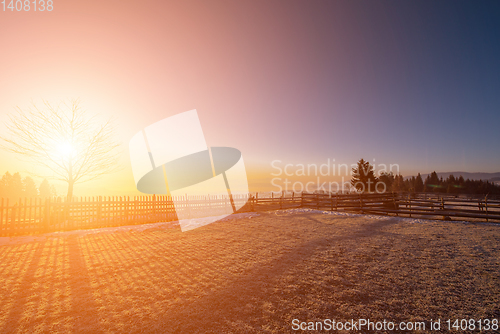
point(252, 273)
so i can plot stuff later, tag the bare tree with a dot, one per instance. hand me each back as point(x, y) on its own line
point(65, 140)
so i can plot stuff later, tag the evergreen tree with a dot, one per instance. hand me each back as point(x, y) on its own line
point(427, 183)
point(363, 177)
point(451, 184)
point(419, 184)
point(5, 184)
point(412, 184)
point(29, 187)
point(434, 182)
point(387, 179)
point(398, 184)
point(461, 181)
point(434, 179)
point(16, 187)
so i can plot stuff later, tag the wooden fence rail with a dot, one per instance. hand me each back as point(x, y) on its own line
point(443, 207)
point(36, 215)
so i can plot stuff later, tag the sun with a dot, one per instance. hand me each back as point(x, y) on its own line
point(65, 150)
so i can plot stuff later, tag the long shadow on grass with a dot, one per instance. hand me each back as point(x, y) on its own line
point(84, 309)
point(22, 293)
point(214, 311)
point(48, 258)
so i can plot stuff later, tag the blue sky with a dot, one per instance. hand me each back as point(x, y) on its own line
point(414, 83)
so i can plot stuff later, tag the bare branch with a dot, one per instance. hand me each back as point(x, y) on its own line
point(64, 140)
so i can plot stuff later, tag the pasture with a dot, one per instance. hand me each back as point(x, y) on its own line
point(250, 273)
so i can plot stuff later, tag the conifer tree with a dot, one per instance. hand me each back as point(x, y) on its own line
point(419, 184)
point(363, 177)
point(45, 189)
point(29, 187)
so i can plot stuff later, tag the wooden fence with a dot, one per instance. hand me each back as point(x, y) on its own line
point(411, 205)
point(274, 201)
point(36, 215)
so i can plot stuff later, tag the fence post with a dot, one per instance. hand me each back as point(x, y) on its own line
point(486, 206)
point(1, 218)
point(281, 199)
point(302, 199)
point(293, 198)
point(209, 205)
point(409, 203)
point(99, 209)
point(126, 211)
point(25, 207)
point(60, 213)
point(188, 208)
point(7, 225)
point(396, 207)
point(154, 208)
point(14, 225)
point(66, 211)
point(47, 213)
point(317, 201)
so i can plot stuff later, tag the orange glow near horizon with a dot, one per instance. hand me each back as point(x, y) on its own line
point(290, 80)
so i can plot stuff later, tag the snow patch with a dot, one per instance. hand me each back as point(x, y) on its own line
point(360, 215)
point(191, 224)
point(334, 213)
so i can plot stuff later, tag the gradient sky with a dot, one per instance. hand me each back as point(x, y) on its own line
point(414, 83)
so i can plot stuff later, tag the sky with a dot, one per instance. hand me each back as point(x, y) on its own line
point(412, 83)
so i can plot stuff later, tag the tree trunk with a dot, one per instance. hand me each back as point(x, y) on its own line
point(71, 181)
point(69, 196)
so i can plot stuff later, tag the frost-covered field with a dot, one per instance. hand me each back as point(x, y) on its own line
point(252, 272)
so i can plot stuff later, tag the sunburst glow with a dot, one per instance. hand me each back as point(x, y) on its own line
point(65, 150)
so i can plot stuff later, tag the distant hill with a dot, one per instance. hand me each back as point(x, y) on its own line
point(467, 175)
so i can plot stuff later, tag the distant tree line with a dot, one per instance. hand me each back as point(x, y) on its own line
point(433, 183)
point(365, 180)
point(13, 187)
